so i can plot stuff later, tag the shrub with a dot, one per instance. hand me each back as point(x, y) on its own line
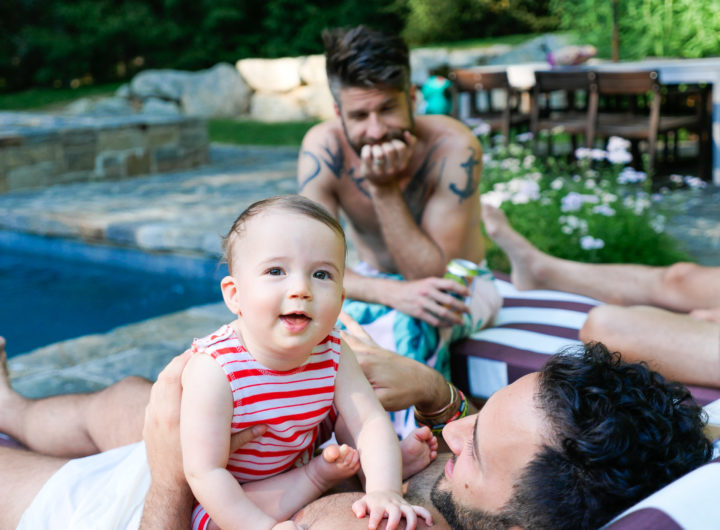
point(598, 210)
point(661, 28)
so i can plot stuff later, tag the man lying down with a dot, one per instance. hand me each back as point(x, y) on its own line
point(568, 447)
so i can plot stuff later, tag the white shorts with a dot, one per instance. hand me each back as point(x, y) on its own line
point(105, 491)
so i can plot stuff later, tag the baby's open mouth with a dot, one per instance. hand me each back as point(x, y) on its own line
point(295, 318)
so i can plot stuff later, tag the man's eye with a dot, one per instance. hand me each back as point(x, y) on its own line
point(322, 275)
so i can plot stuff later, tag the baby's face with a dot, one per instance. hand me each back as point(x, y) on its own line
point(288, 270)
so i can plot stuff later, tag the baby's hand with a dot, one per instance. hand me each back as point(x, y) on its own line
point(380, 504)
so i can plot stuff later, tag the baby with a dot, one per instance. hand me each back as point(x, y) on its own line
point(282, 364)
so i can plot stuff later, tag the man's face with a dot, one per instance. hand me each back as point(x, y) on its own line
point(374, 115)
point(490, 452)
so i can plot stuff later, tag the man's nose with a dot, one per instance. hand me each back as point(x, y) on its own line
point(376, 127)
point(456, 433)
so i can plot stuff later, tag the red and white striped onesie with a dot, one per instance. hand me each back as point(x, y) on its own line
point(292, 404)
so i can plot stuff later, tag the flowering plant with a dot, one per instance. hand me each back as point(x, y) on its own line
point(597, 209)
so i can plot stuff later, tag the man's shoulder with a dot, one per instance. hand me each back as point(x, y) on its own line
point(323, 132)
point(447, 132)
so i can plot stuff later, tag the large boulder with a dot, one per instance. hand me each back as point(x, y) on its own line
point(312, 70)
point(217, 92)
point(274, 107)
point(271, 75)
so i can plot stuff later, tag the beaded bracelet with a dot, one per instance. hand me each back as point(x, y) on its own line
point(435, 423)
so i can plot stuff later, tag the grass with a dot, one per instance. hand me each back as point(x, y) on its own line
point(39, 98)
point(247, 132)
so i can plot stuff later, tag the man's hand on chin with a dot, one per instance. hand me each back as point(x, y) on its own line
point(381, 163)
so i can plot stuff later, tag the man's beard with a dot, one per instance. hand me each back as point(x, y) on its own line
point(461, 518)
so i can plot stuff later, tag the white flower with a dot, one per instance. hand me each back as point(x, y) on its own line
point(576, 178)
point(523, 190)
point(591, 243)
point(598, 154)
point(528, 161)
point(482, 129)
point(557, 184)
point(494, 198)
point(615, 143)
point(486, 158)
point(571, 202)
point(582, 152)
point(535, 176)
point(619, 157)
point(566, 230)
point(629, 176)
point(608, 197)
point(590, 184)
point(676, 179)
point(603, 209)
point(657, 223)
point(524, 137)
point(694, 182)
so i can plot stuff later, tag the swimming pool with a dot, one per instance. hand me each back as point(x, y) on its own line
point(46, 299)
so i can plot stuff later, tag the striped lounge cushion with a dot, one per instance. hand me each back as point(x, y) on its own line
point(530, 326)
point(689, 503)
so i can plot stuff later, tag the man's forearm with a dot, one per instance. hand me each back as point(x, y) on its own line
point(415, 254)
point(368, 289)
point(167, 508)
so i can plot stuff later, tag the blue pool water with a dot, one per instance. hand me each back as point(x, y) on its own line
point(45, 299)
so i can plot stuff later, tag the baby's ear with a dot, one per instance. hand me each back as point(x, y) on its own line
point(229, 289)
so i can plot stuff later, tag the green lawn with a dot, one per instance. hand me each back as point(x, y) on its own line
point(39, 98)
point(247, 132)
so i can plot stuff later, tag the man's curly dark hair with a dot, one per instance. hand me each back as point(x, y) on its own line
point(365, 58)
point(622, 431)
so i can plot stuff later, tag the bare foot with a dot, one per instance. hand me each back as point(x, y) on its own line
point(525, 259)
point(336, 464)
point(418, 450)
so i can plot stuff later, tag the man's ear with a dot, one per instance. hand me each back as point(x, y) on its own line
point(337, 109)
point(229, 289)
point(413, 97)
point(342, 299)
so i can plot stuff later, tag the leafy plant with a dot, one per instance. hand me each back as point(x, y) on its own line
point(597, 210)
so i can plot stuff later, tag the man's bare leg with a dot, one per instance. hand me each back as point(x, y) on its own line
point(23, 474)
point(76, 424)
point(681, 287)
point(678, 346)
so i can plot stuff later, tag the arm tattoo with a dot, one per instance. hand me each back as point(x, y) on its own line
point(418, 190)
point(314, 173)
point(358, 182)
point(470, 184)
point(335, 161)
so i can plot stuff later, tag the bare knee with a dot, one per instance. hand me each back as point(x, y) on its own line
point(601, 323)
point(674, 280)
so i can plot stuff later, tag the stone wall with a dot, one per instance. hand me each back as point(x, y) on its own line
point(41, 150)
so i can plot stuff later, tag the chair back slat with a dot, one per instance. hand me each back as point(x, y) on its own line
point(548, 81)
point(472, 81)
point(626, 83)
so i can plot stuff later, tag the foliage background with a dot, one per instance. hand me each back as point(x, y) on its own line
point(53, 42)
point(61, 43)
point(648, 28)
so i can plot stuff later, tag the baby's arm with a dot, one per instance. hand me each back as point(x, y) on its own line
point(205, 416)
point(378, 445)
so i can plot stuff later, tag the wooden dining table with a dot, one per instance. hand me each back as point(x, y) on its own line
point(670, 72)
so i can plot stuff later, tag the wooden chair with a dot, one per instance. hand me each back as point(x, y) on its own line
point(500, 118)
point(560, 101)
point(642, 117)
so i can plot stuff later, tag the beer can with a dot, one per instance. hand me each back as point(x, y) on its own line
point(462, 271)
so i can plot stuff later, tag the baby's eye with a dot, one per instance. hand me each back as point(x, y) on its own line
point(322, 275)
point(274, 271)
